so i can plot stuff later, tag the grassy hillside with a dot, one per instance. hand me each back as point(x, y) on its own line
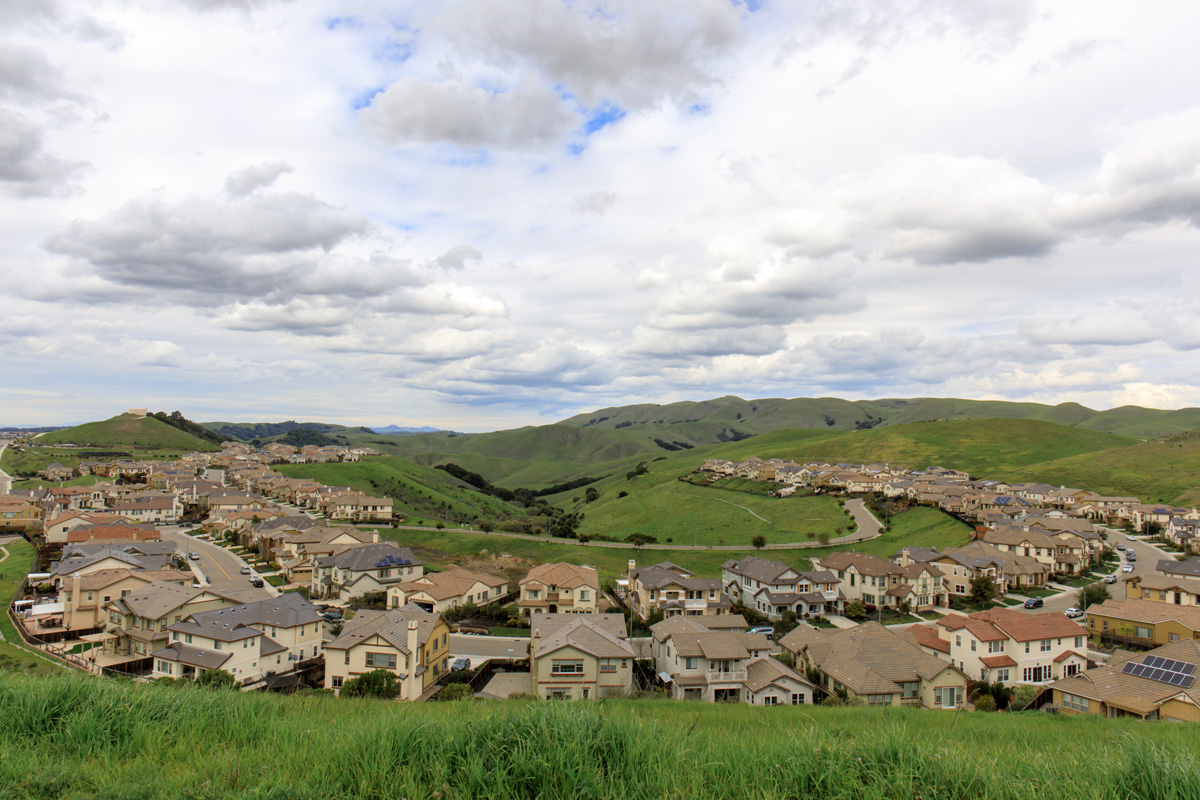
point(129, 430)
point(1164, 470)
point(29, 460)
point(13, 568)
point(729, 418)
point(981, 447)
point(421, 493)
point(76, 737)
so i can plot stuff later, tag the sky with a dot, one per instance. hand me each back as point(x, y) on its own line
point(479, 215)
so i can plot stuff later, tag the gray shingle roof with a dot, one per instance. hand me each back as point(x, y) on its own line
point(372, 556)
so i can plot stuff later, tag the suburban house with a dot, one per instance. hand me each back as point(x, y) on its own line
point(1159, 684)
point(1143, 623)
point(409, 641)
point(84, 596)
point(877, 582)
point(698, 663)
point(19, 513)
point(560, 588)
point(368, 568)
point(674, 591)
point(773, 587)
point(880, 666)
point(153, 510)
point(1163, 588)
point(93, 557)
point(454, 588)
point(1188, 568)
point(57, 527)
point(137, 623)
point(579, 657)
point(1011, 647)
point(960, 565)
point(253, 641)
point(1062, 553)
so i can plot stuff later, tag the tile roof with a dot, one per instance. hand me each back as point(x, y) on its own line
point(583, 634)
point(372, 556)
point(760, 569)
point(1148, 611)
point(563, 574)
point(762, 672)
point(1107, 683)
point(451, 583)
point(548, 624)
point(391, 625)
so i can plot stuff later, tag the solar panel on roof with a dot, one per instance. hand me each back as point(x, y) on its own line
point(1187, 669)
point(1177, 679)
point(1188, 680)
point(1138, 669)
point(1170, 665)
point(1151, 661)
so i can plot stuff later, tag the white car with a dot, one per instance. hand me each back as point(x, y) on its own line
point(1127, 568)
point(245, 570)
point(1074, 612)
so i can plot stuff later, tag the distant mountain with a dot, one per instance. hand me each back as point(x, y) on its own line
point(248, 431)
point(732, 418)
point(399, 430)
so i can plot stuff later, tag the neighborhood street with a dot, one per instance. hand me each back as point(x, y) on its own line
point(221, 567)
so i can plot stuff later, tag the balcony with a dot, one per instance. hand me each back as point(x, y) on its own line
point(695, 605)
point(733, 676)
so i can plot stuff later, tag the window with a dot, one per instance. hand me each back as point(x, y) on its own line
point(958, 641)
point(879, 699)
point(608, 665)
point(770, 700)
point(972, 645)
point(337, 681)
point(583, 594)
point(996, 647)
point(1074, 702)
point(1144, 633)
point(1046, 645)
point(216, 645)
point(558, 694)
point(1027, 647)
point(380, 660)
point(347, 656)
point(1078, 641)
point(1002, 675)
point(1174, 637)
point(162, 666)
point(910, 689)
point(1070, 669)
point(797, 698)
point(689, 663)
point(175, 636)
point(565, 667)
point(1036, 674)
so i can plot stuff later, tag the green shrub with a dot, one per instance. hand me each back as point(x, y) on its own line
point(985, 702)
point(456, 691)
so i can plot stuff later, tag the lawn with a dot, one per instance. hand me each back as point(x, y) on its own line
point(1034, 591)
point(917, 527)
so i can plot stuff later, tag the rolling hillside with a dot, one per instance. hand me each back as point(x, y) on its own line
point(129, 430)
point(730, 418)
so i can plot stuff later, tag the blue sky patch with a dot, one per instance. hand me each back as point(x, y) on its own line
point(333, 23)
point(364, 99)
point(602, 116)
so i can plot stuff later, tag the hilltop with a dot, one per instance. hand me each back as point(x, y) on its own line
point(731, 418)
point(129, 430)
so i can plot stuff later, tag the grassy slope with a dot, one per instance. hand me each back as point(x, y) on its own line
point(1157, 471)
point(72, 736)
point(421, 493)
point(126, 429)
point(12, 570)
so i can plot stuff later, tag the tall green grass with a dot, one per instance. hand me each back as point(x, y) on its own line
point(71, 736)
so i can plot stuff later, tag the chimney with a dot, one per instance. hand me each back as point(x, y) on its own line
point(75, 598)
point(414, 650)
point(632, 567)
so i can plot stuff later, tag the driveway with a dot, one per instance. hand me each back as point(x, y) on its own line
point(483, 647)
point(220, 566)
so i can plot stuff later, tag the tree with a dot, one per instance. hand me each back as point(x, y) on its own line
point(1152, 528)
point(985, 702)
point(378, 683)
point(441, 526)
point(591, 495)
point(1023, 696)
point(904, 607)
point(216, 679)
point(823, 537)
point(486, 526)
point(759, 542)
point(856, 610)
point(983, 588)
point(1092, 594)
point(786, 624)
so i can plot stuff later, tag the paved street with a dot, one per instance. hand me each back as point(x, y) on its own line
point(220, 566)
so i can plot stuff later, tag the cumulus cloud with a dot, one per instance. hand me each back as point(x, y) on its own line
point(457, 257)
point(597, 203)
point(257, 176)
point(27, 168)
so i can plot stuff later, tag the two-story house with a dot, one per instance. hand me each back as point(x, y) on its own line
point(137, 623)
point(579, 657)
point(559, 588)
point(1163, 588)
point(84, 596)
point(252, 641)
point(674, 591)
point(878, 582)
point(1012, 647)
point(773, 587)
point(409, 641)
point(454, 588)
point(360, 570)
point(878, 665)
point(708, 665)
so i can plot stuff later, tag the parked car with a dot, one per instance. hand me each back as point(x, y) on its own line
point(1110, 578)
point(1130, 555)
point(766, 630)
point(1074, 612)
point(1120, 547)
point(1127, 568)
point(460, 664)
point(1034, 602)
point(245, 570)
point(194, 556)
point(256, 582)
point(332, 615)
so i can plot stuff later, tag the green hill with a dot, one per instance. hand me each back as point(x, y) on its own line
point(730, 418)
point(270, 431)
point(131, 431)
point(420, 493)
point(1161, 471)
point(76, 736)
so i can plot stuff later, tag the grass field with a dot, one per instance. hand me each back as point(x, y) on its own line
point(12, 570)
point(71, 736)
